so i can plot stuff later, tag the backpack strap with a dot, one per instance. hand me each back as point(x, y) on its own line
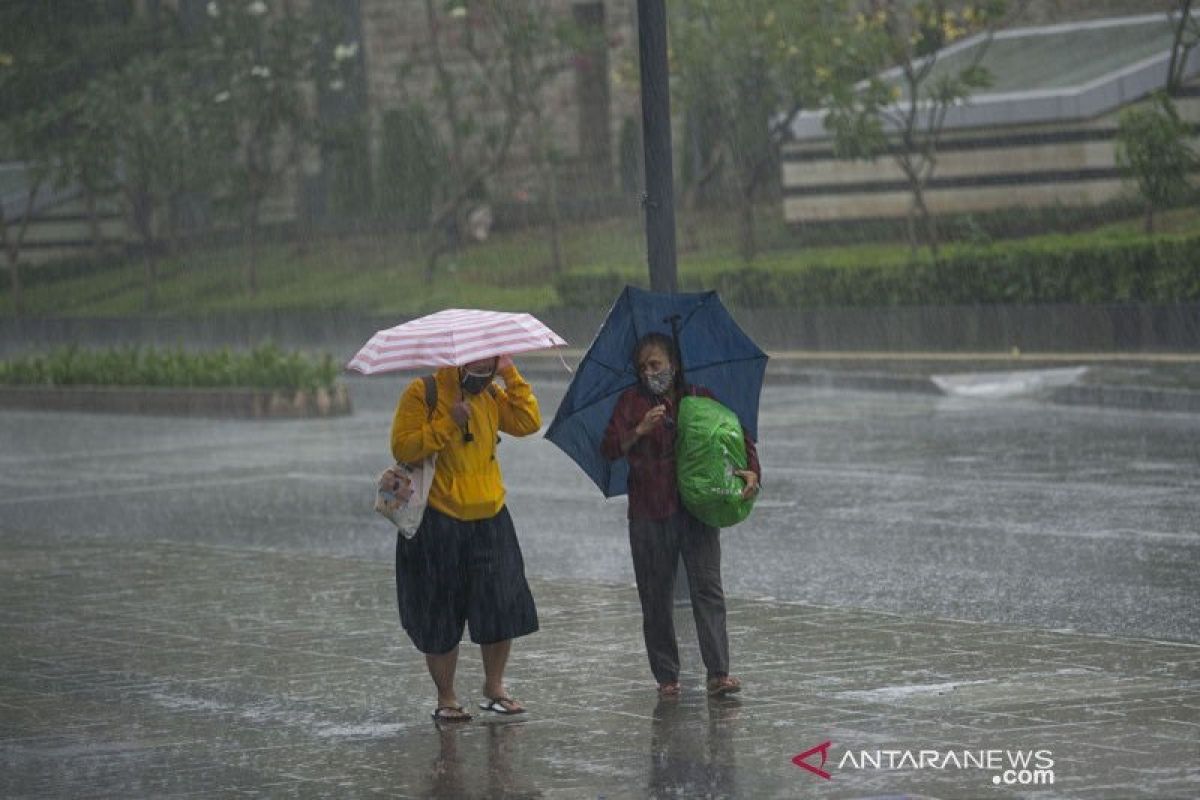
point(431, 395)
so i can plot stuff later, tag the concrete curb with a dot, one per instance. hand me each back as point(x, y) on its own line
point(793, 372)
point(1158, 399)
point(192, 402)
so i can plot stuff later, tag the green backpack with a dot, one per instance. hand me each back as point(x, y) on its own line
point(708, 449)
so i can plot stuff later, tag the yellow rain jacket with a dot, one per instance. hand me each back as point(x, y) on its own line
point(466, 483)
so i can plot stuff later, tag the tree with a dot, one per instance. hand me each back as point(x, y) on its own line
point(48, 54)
point(167, 139)
point(21, 137)
point(1152, 146)
point(491, 62)
point(1187, 36)
point(903, 112)
point(257, 62)
point(744, 71)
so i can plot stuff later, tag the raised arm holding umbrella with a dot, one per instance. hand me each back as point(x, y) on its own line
point(615, 422)
point(464, 564)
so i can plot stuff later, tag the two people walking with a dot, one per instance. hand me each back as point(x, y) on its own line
point(464, 565)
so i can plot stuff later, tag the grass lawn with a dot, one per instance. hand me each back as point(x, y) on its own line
point(510, 271)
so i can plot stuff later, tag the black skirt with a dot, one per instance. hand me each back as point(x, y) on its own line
point(453, 573)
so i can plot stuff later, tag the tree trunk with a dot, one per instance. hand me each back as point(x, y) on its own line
point(150, 300)
point(93, 218)
point(749, 243)
point(12, 248)
point(927, 221)
point(550, 186)
point(691, 200)
point(556, 258)
point(252, 248)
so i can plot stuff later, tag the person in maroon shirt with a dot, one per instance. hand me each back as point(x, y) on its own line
point(642, 431)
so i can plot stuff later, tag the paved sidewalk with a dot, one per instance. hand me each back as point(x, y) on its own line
point(168, 670)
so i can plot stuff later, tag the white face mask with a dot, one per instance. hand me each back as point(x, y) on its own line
point(659, 382)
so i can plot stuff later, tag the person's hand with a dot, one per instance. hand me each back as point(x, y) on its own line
point(652, 419)
point(460, 412)
point(504, 363)
point(752, 487)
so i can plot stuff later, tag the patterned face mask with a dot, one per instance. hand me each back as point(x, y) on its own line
point(474, 384)
point(659, 382)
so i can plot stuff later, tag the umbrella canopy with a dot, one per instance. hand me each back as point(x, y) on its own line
point(452, 338)
point(715, 353)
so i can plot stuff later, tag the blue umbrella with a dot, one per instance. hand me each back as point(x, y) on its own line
point(715, 353)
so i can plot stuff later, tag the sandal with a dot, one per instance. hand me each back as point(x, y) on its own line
point(450, 714)
point(669, 689)
point(501, 705)
point(724, 685)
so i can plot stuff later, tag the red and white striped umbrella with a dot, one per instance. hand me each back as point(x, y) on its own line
point(450, 338)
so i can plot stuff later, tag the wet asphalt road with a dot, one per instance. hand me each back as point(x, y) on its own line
point(1012, 511)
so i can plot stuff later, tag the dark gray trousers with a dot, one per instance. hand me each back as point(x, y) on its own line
point(657, 546)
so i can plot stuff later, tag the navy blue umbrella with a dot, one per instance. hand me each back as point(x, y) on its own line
point(715, 353)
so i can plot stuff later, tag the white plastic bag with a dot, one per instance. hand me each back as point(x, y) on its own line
point(403, 492)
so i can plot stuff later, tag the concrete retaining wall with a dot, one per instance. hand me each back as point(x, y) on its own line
point(189, 402)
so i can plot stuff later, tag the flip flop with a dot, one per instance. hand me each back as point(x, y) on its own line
point(450, 714)
point(669, 689)
point(496, 704)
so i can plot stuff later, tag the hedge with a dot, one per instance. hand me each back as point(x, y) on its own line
point(265, 367)
point(1136, 271)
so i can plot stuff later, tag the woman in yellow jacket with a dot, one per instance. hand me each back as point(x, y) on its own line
point(464, 564)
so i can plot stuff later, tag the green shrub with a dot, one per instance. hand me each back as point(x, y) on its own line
point(265, 367)
point(593, 289)
point(1134, 271)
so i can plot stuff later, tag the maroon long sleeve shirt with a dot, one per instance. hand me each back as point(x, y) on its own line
point(653, 493)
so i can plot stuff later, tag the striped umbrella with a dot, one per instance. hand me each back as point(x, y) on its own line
point(450, 338)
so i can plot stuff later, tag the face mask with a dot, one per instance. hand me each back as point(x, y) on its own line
point(659, 382)
point(474, 384)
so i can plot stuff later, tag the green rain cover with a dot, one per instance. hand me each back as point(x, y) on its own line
point(708, 448)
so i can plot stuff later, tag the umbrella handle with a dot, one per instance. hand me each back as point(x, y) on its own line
point(674, 321)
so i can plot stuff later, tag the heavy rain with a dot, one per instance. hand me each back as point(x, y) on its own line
point(813, 400)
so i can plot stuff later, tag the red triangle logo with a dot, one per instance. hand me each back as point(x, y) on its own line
point(823, 749)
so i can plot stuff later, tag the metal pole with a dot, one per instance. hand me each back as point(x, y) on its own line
point(659, 199)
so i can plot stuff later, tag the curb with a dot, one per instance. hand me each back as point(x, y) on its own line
point(1157, 399)
point(191, 402)
point(1172, 400)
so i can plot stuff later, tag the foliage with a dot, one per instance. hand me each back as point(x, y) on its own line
point(902, 112)
point(409, 165)
point(1138, 271)
point(1153, 147)
point(490, 63)
point(265, 367)
point(1187, 37)
point(384, 274)
point(257, 59)
point(743, 72)
point(48, 51)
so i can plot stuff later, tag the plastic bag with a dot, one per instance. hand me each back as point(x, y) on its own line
point(403, 492)
point(708, 449)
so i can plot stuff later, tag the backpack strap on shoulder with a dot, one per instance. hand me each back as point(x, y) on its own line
point(431, 395)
